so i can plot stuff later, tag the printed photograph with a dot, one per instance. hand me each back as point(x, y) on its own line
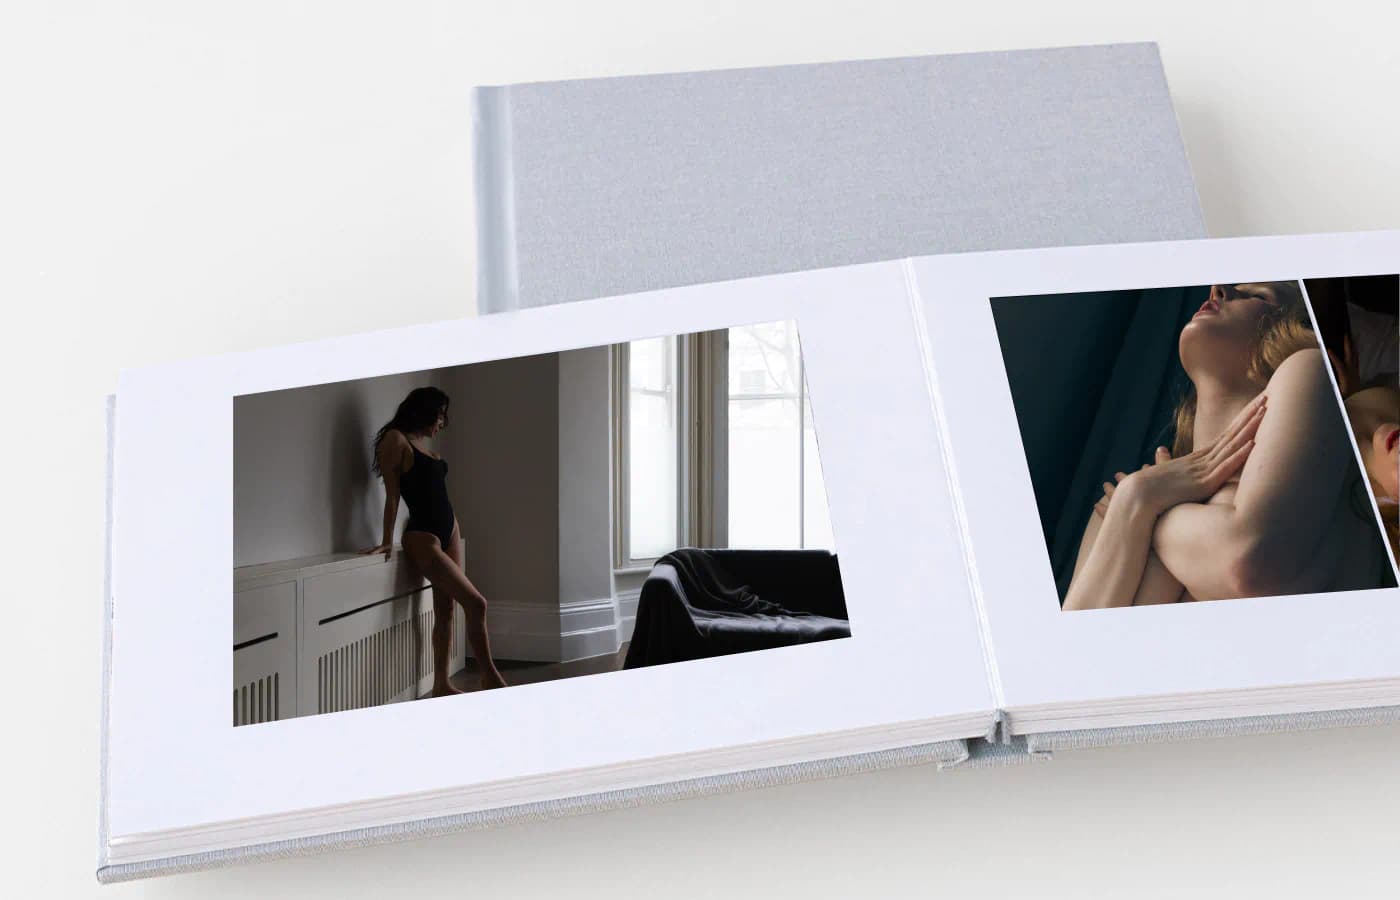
point(1193, 443)
point(502, 523)
point(1359, 322)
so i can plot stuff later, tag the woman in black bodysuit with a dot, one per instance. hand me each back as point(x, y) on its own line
point(431, 538)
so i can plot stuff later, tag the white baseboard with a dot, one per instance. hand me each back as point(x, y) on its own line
point(523, 632)
point(577, 630)
point(587, 628)
point(627, 614)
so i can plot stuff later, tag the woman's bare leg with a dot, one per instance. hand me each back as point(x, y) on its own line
point(474, 605)
point(445, 574)
point(422, 549)
point(443, 610)
point(476, 624)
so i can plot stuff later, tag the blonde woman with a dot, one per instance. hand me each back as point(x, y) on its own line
point(1257, 495)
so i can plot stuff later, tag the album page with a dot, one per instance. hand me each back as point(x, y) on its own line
point(1176, 465)
point(496, 561)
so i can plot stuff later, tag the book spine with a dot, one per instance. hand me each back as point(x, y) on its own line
point(997, 730)
point(497, 281)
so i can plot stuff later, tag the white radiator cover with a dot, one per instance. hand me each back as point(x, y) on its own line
point(264, 652)
point(331, 633)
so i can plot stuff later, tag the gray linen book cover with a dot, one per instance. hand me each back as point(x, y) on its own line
point(608, 186)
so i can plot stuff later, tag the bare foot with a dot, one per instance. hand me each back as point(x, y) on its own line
point(443, 690)
point(490, 680)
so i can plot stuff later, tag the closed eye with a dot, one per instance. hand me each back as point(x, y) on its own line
point(1224, 293)
point(1256, 291)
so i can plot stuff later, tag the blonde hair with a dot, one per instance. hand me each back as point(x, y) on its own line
point(1283, 331)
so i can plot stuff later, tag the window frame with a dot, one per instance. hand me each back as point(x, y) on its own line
point(702, 445)
point(620, 367)
point(721, 476)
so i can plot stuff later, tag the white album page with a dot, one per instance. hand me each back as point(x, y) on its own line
point(1075, 384)
point(819, 408)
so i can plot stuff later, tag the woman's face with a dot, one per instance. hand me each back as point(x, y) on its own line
point(438, 424)
point(1220, 337)
point(1375, 420)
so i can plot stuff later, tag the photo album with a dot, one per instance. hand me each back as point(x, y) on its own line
point(953, 510)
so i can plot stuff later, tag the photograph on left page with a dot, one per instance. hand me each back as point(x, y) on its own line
point(436, 533)
point(1210, 442)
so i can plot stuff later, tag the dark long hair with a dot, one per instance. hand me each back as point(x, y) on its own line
point(416, 413)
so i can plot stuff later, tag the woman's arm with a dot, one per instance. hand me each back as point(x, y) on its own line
point(1114, 568)
point(390, 457)
point(391, 505)
point(1157, 585)
point(1113, 554)
point(1264, 541)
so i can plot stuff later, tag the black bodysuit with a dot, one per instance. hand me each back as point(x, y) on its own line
point(424, 489)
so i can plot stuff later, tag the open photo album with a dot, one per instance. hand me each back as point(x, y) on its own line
point(946, 510)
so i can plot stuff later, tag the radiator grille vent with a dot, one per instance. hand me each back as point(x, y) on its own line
point(257, 701)
point(377, 668)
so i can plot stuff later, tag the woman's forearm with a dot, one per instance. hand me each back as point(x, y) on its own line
point(1112, 571)
point(391, 514)
point(1222, 551)
point(1159, 585)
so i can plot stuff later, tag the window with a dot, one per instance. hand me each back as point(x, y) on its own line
point(714, 445)
point(776, 498)
point(651, 405)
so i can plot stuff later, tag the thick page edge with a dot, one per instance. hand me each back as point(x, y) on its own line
point(497, 274)
point(532, 792)
point(110, 411)
point(942, 754)
point(1087, 738)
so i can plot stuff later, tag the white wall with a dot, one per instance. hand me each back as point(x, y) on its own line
point(585, 476)
point(501, 447)
point(529, 472)
point(184, 179)
point(301, 468)
point(589, 616)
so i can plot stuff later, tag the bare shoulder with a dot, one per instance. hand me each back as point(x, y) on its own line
point(393, 446)
point(1302, 377)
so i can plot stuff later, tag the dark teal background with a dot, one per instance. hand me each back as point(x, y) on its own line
point(1095, 379)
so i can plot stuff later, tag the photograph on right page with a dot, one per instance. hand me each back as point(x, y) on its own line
point(1210, 442)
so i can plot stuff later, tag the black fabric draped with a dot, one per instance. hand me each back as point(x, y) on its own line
point(702, 603)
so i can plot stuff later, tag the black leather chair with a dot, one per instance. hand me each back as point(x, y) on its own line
point(697, 604)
